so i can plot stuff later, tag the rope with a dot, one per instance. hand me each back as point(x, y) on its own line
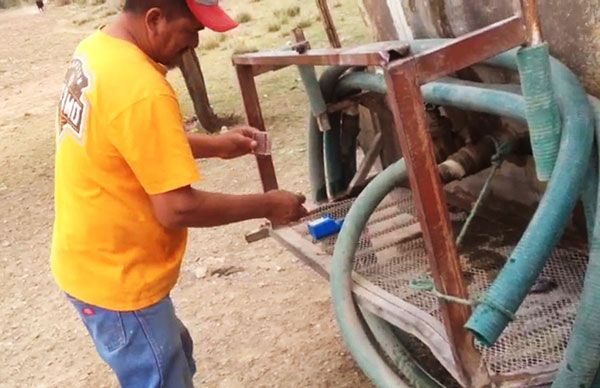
point(426, 284)
point(501, 150)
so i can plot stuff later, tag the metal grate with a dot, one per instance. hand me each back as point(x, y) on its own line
point(390, 255)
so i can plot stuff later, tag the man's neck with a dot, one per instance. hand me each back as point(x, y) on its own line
point(124, 27)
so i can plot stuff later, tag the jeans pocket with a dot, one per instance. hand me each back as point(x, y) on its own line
point(105, 326)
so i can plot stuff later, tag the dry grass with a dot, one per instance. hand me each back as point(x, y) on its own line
point(305, 23)
point(242, 47)
point(211, 42)
point(274, 27)
point(289, 12)
point(243, 17)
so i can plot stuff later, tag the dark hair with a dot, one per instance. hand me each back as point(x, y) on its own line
point(172, 8)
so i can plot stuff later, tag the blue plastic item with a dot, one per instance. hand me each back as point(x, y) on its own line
point(324, 227)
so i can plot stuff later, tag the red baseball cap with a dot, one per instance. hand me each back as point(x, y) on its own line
point(211, 15)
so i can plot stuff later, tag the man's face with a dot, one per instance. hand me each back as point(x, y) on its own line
point(169, 38)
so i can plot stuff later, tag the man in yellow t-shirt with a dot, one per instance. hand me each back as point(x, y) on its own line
point(124, 167)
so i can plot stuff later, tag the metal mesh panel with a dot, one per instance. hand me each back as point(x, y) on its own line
point(390, 255)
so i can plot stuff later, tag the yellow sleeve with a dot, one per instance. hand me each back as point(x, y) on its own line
point(150, 137)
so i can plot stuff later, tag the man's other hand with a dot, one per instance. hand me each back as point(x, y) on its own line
point(285, 207)
point(237, 142)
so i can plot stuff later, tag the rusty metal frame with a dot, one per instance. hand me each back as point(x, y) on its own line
point(255, 118)
point(404, 76)
point(404, 79)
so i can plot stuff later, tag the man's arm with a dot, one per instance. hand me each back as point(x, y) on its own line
point(204, 146)
point(237, 142)
point(187, 207)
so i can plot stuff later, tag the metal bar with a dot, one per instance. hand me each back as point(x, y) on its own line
point(259, 70)
point(332, 34)
point(376, 54)
point(367, 164)
point(470, 49)
point(532, 22)
point(255, 119)
point(407, 105)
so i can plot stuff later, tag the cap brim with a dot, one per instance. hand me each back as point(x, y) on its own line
point(212, 17)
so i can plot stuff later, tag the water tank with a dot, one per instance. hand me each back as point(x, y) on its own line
point(571, 27)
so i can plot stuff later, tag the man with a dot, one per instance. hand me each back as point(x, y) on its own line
point(123, 198)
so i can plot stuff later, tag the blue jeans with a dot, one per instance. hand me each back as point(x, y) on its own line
point(145, 348)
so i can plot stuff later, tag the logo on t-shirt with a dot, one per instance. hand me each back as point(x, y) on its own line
point(74, 106)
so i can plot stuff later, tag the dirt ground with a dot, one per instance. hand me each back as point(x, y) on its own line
point(269, 325)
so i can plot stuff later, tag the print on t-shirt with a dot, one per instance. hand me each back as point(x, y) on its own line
point(74, 106)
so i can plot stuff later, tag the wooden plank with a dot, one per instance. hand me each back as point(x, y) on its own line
point(303, 249)
point(410, 319)
point(535, 377)
point(403, 235)
point(397, 222)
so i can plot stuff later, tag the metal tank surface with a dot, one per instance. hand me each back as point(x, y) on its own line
point(572, 28)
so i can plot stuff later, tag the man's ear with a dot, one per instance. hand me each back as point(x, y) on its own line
point(154, 16)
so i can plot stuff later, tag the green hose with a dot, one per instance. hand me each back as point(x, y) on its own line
point(542, 111)
point(348, 318)
point(318, 106)
point(395, 351)
point(541, 236)
point(316, 164)
point(333, 156)
point(589, 195)
point(316, 170)
point(527, 260)
point(447, 92)
point(517, 277)
point(358, 81)
point(582, 356)
point(329, 126)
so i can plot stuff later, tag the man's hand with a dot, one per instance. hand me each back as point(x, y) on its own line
point(285, 207)
point(237, 142)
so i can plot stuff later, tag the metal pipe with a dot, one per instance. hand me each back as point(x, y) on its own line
point(532, 21)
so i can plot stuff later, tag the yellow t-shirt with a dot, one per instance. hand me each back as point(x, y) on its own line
point(120, 138)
